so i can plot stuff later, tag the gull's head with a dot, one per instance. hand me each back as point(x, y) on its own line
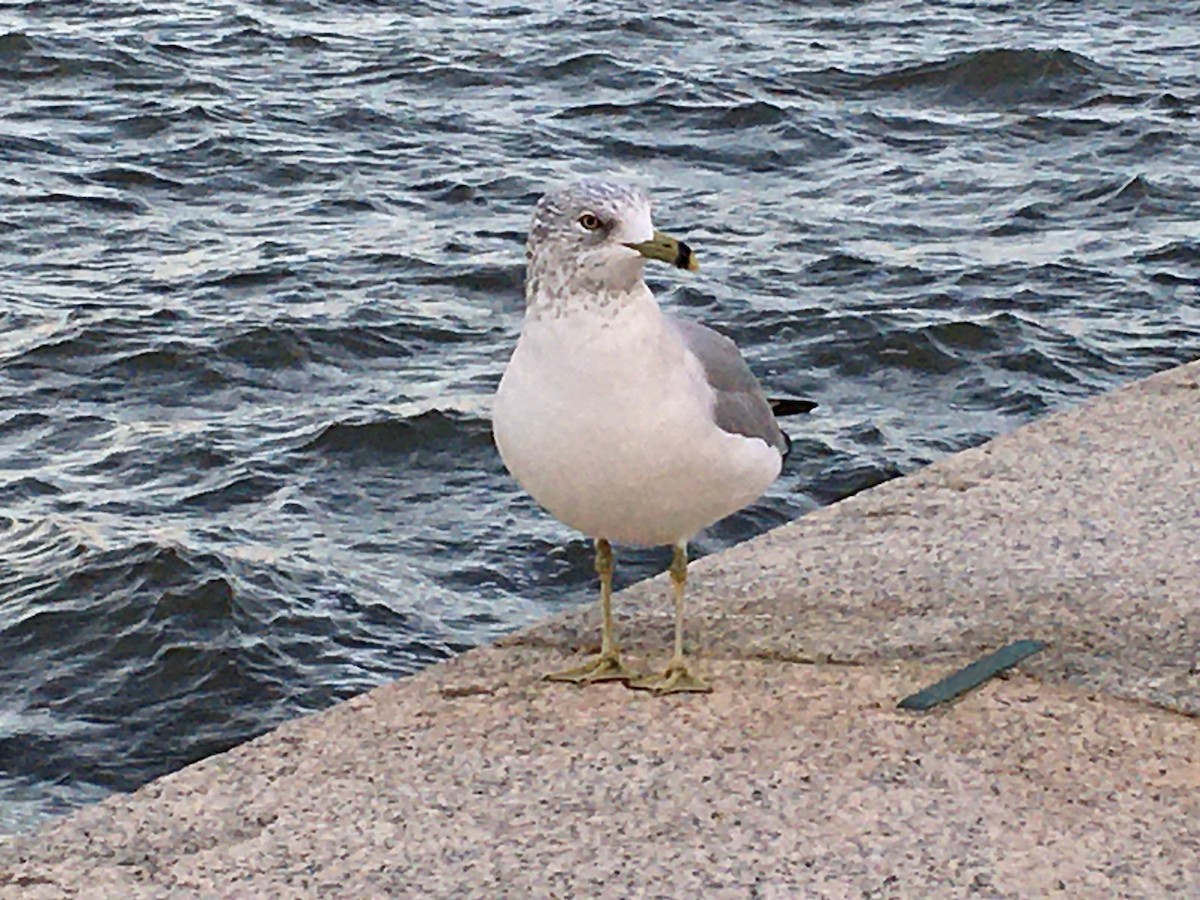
point(594, 237)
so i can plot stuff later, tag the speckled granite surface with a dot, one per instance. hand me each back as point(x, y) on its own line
point(1082, 530)
point(1077, 776)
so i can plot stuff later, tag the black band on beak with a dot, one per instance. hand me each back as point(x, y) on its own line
point(684, 259)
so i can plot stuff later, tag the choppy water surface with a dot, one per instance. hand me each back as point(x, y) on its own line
point(262, 269)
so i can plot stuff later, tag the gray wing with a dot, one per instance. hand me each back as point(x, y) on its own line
point(741, 407)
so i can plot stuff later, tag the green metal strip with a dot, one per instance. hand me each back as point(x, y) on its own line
point(970, 677)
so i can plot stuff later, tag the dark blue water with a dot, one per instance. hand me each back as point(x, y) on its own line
point(261, 270)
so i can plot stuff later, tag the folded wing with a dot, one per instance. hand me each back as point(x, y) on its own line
point(741, 406)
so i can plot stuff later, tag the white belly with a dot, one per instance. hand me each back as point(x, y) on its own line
point(608, 427)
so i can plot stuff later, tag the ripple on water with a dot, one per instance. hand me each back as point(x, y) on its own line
point(1001, 77)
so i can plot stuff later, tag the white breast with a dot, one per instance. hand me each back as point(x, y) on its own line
point(605, 421)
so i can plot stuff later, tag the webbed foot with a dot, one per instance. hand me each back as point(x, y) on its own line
point(675, 679)
point(602, 668)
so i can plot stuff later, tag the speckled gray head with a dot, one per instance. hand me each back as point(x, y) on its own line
point(590, 240)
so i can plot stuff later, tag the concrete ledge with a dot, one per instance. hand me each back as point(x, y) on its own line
point(797, 777)
point(1082, 530)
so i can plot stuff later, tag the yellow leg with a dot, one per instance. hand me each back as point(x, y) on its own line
point(675, 678)
point(607, 666)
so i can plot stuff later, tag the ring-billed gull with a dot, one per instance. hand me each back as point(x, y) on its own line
point(626, 423)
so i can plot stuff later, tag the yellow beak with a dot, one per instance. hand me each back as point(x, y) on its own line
point(669, 250)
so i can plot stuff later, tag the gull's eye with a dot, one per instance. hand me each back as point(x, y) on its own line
point(589, 221)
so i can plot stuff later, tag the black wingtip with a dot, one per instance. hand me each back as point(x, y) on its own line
point(788, 406)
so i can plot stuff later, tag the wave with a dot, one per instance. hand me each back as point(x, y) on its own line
point(169, 653)
point(1000, 77)
point(1174, 251)
point(428, 430)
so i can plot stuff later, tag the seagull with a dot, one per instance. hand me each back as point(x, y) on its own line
point(624, 422)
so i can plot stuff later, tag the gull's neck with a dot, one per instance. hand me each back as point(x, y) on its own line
point(556, 293)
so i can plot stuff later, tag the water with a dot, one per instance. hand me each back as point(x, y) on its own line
point(262, 269)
